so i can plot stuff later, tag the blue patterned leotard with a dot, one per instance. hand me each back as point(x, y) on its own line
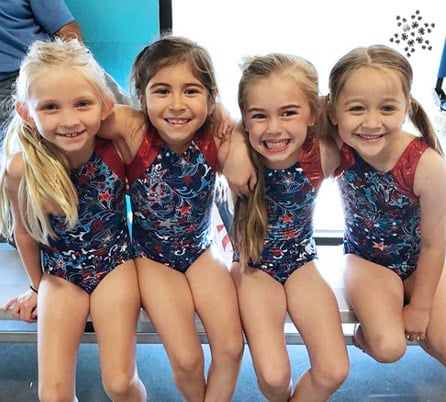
point(100, 240)
point(171, 198)
point(382, 214)
point(290, 199)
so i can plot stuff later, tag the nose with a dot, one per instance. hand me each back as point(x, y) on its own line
point(69, 118)
point(372, 119)
point(274, 125)
point(177, 102)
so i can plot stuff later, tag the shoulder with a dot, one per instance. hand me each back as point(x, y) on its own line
point(430, 173)
point(16, 166)
point(126, 127)
point(330, 157)
point(15, 170)
point(122, 121)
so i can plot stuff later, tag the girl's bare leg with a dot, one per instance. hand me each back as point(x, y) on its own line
point(62, 312)
point(216, 303)
point(376, 294)
point(168, 301)
point(313, 308)
point(262, 303)
point(115, 306)
point(435, 342)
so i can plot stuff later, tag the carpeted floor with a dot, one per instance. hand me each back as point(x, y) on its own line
point(415, 378)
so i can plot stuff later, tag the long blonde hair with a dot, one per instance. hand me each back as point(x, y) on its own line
point(383, 58)
point(46, 181)
point(250, 219)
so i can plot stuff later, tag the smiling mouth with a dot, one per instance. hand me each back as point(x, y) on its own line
point(177, 122)
point(269, 144)
point(70, 135)
point(370, 137)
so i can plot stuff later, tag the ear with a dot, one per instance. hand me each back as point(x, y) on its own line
point(107, 108)
point(332, 114)
point(23, 112)
point(212, 101)
point(244, 127)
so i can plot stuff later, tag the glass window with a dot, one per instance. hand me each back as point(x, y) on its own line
point(321, 31)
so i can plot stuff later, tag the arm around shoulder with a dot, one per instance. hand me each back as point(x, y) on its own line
point(238, 167)
point(126, 127)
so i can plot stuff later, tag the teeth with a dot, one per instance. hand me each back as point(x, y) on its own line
point(370, 137)
point(276, 144)
point(177, 121)
point(70, 135)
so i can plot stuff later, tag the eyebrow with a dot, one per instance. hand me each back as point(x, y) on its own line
point(186, 84)
point(259, 109)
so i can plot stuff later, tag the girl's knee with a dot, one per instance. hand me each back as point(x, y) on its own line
point(331, 376)
point(229, 350)
point(55, 393)
point(119, 384)
point(386, 349)
point(274, 381)
point(187, 363)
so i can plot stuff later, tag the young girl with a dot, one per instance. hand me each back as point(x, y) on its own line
point(62, 196)
point(275, 272)
point(173, 160)
point(394, 189)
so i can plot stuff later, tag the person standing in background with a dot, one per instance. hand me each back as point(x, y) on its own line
point(21, 23)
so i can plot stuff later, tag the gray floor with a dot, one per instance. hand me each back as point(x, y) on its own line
point(416, 377)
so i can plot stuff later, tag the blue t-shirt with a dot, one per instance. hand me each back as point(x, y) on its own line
point(24, 21)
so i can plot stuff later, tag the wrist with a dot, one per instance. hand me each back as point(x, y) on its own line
point(34, 289)
point(420, 306)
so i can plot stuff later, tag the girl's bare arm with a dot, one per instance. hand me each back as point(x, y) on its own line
point(430, 186)
point(23, 306)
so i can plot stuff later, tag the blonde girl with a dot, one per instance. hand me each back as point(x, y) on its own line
point(63, 200)
point(274, 269)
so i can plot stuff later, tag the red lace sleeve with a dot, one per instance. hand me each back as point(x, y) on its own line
point(310, 161)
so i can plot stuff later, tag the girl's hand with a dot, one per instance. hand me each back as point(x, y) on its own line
point(238, 168)
point(23, 307)
point(415, 321)
point(241, 175)
point(222, 123)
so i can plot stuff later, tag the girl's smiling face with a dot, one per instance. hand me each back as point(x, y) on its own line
point(177, 105)
point(370, 110)
point(277, 116)
point(66, 110)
